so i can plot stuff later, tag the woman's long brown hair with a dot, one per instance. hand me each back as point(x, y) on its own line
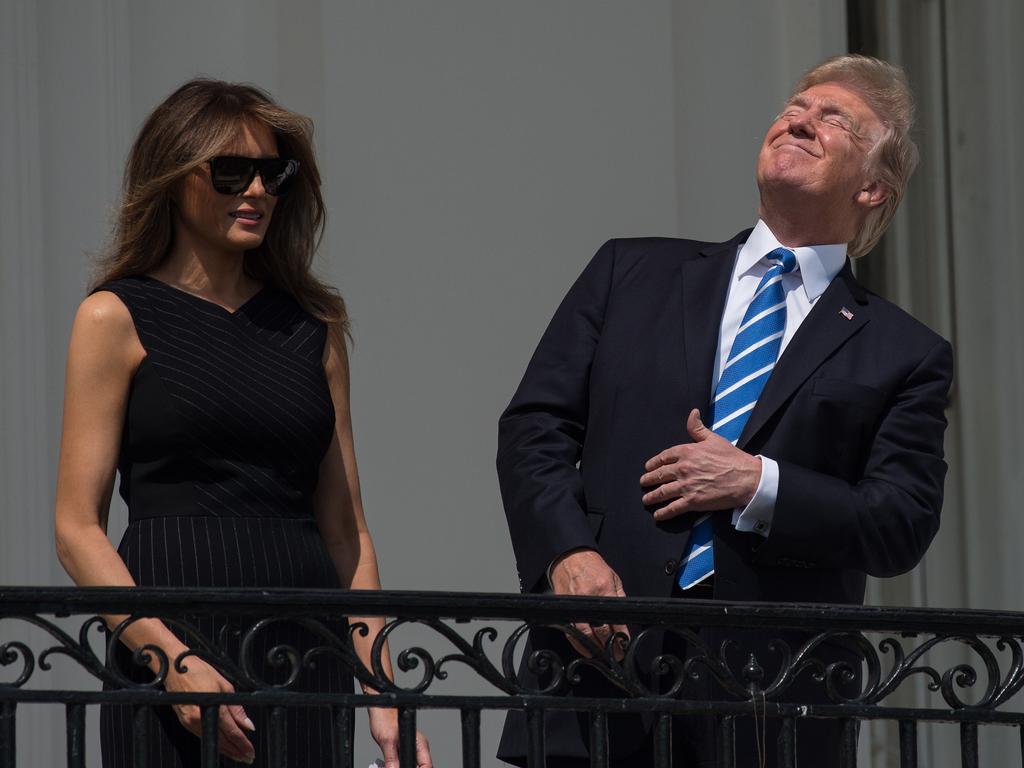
point(193, 124)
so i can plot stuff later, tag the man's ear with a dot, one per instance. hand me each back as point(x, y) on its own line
point(873, 194)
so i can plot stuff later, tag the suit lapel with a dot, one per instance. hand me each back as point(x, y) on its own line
point(705, 285)
point(823, 331)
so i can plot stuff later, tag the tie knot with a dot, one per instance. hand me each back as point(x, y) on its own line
point(783, 257)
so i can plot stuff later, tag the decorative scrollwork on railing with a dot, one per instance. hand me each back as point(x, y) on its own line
point(78, 650)
point(10, 652)
point(960, 676)
point(264, 654)
point(1014, 679)
point(862, 677)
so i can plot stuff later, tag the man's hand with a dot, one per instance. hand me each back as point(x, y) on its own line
point(585, 572)
point(706, 475)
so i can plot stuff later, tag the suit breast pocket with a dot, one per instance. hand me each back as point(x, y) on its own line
point(847, 391)
point(846, 416)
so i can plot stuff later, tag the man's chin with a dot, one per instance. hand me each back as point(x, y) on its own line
point(783, 181)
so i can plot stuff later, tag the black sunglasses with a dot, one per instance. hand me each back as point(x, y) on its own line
point(231, 175)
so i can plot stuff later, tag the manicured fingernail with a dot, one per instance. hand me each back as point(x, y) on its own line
point(249, 724)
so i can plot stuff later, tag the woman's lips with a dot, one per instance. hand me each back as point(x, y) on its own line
point(248, 218)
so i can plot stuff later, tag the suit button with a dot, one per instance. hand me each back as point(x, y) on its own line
point(671, 566)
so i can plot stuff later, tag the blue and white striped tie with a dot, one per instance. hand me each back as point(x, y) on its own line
point(751, 360)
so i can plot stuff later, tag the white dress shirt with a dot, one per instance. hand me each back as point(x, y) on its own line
point(817, 265)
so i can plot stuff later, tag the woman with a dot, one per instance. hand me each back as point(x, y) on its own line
point(209, 366)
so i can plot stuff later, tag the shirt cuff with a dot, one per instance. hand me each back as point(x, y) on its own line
point(757, 516)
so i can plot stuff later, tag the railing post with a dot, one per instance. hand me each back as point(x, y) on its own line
point(599, 740)
point(848, 743)
point(663, 741)
point(8, 755)
point(210, 715)
point(969, 745)
point(908, 744)
point(343, 737)
point(727, 742)
point(471, 738)
point(787, 743)
point(74, 715)
point(140, 737)
point(278, 738)
point(407, 737)
point(535, 747)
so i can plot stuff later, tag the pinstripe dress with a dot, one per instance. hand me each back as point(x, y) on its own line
point(228, 417)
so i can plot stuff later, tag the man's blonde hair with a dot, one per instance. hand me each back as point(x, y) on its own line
point(894, 156)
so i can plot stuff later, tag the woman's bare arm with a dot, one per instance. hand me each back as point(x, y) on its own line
point(339, 508)
point(102, 357)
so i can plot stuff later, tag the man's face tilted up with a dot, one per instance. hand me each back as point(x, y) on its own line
point(815, 155)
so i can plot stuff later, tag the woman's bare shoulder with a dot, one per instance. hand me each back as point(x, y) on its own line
point(104, 308)
point(103, 322)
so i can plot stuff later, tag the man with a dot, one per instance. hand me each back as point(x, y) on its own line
point(739, 420)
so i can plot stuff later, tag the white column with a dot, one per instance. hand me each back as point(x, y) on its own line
point(986, 168)
point(25, 466)
point(62, 68)
point(26, 455)
point(952, 259)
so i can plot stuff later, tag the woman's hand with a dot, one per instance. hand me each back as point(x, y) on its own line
point(202, 678)
point(384, 729)
point(339, 516)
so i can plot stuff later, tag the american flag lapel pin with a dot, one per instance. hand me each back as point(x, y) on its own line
point(846, 313)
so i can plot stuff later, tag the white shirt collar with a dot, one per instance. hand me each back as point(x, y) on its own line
point(819, 264)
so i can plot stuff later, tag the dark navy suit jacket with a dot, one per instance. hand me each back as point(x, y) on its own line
point(853, 413)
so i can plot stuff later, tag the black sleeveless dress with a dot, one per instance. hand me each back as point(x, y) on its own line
point(228, 418)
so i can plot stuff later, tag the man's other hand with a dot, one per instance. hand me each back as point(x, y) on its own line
point(585, 572)
point(703, 476)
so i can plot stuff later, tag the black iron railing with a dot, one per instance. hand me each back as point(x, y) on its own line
point(484, 633)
